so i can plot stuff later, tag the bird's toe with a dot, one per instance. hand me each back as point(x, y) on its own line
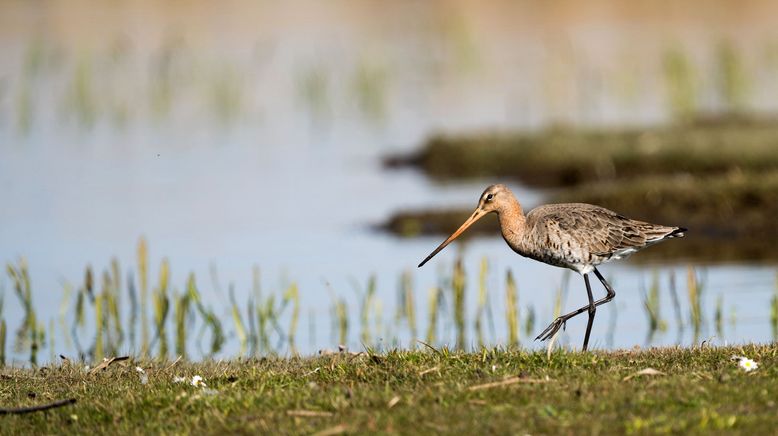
point(552, 329)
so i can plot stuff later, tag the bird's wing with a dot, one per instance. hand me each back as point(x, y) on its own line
point(601, 231)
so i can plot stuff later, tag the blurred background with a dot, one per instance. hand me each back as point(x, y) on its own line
point(245, 177)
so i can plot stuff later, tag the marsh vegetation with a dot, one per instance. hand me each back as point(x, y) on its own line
point(134, 312)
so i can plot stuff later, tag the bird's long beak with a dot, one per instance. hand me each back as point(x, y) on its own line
point(478, 214)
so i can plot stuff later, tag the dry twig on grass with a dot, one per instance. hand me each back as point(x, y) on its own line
point(107, 362)
point(309, 413)
point(507, 382)
point(38, 408)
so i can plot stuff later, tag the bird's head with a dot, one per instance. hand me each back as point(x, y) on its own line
point(494, 199)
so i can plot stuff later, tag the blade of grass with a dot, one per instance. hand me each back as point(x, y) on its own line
point(143, 278)
point(511, 309)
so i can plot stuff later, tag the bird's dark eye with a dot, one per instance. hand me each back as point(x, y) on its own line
point(489, 197)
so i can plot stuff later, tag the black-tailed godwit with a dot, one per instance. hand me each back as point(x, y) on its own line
point(578, 236)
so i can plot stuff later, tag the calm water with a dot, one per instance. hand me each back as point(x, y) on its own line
point(251, 135)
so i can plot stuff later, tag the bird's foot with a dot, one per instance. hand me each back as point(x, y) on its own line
point(551, 330)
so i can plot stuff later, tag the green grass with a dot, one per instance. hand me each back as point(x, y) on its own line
point(702, 391)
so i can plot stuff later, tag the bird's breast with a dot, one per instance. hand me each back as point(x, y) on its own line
point(564, 253)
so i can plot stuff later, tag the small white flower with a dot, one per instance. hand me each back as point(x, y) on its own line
point(198, 381)
point(139, 369)
point(747, 364)
point(178, 379)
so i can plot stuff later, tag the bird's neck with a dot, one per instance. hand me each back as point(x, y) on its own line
point(513, 224)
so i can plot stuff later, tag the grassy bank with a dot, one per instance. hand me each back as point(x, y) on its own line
point(491, 391)
point(568, 157)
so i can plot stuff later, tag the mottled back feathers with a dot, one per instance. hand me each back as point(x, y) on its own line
point(575, 235)
point(580, 236)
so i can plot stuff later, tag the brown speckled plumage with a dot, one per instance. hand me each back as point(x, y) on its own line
point(578, 236)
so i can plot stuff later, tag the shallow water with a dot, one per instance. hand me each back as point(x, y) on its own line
point(255, 138)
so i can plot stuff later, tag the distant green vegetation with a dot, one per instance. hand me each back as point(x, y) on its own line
point(568, 157)
point(698, 390)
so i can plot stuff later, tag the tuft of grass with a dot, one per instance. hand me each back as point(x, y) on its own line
point(719, 315)
point(143, 279)
point(406, 307)
point(99, 351)
point(651, 304)
point(680, 82)
point(2, 331)
point(774, 310)
point(701, 391)
point(676, 304)
point(694, 289)
point(512, 308)
point(339, 316)
point(458, 283)
point(292, 295)
point(225, 94)
point(81, 100)
point(731, 79)
point(364, 312)
point(529, 323)
point(370, 88)
point(30, 334)
point(240, 327)
point(25, 109)
point(433, 310)
point(162, 308)
point(483, 301)
point(314, 91)
point(181, 313)
point(210, 320)
point(113, 286)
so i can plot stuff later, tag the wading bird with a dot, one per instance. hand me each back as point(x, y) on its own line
point(577, 236)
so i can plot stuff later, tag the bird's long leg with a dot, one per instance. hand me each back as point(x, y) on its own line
point(560, 321)
point(592, 311)
point(611, 292)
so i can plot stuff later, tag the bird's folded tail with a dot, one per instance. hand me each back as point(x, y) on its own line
point(655, 233)
point(679, 232)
